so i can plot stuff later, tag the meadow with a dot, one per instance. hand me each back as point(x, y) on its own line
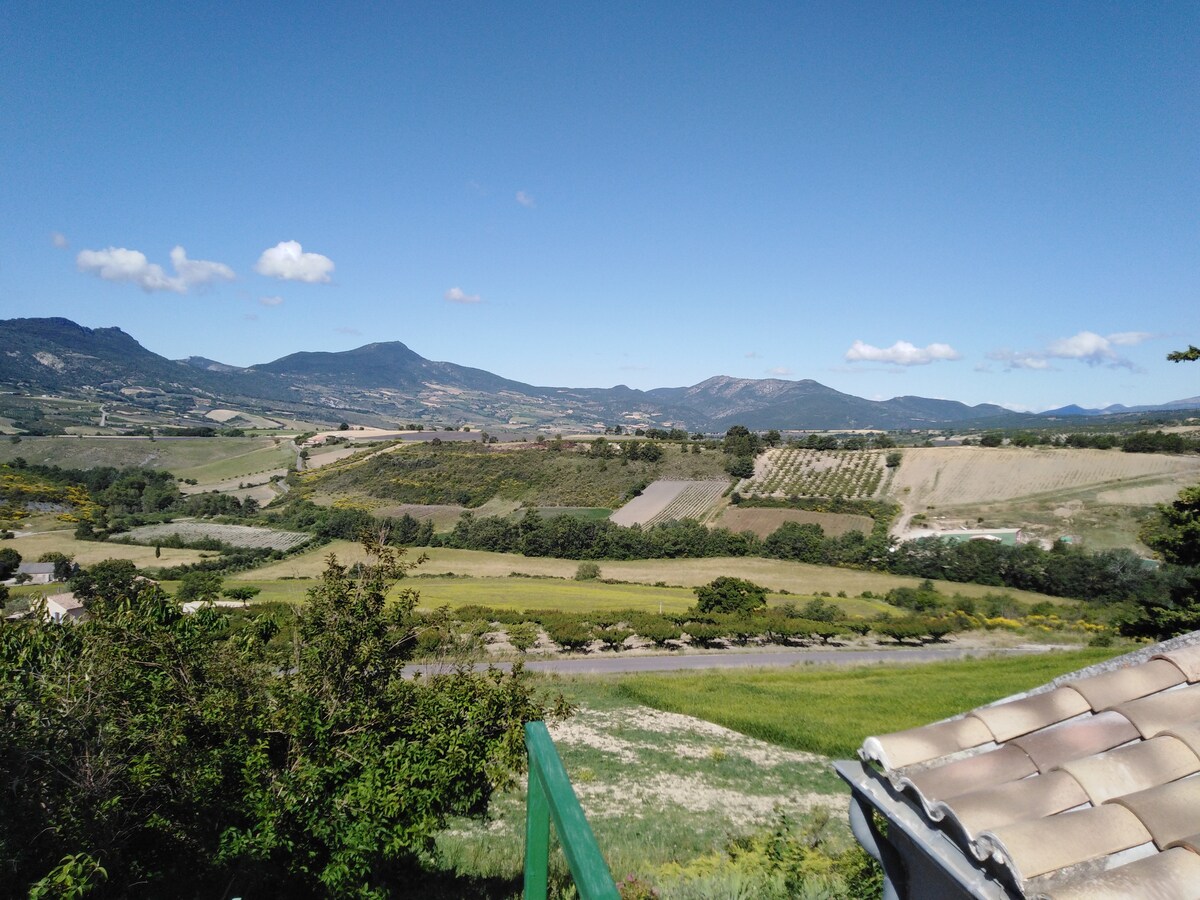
point(209, 459)
point(800, 579)
point(685, 777)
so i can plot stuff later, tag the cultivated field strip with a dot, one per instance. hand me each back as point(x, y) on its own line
point(664, 501)
point(944, 476)
point(234, 535)
point(786, 472)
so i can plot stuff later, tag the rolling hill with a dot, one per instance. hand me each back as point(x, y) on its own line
point(387, 382)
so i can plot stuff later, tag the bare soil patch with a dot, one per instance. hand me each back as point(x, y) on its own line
point(764, 521)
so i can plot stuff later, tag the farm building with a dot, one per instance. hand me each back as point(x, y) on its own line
point(64, 608)
point(36, 572)
point(1086, 788)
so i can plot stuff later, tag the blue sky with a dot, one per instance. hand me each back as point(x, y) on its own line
point(990, 202)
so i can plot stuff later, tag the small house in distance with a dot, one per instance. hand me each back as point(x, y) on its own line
point(33, 573)
point(64, 608)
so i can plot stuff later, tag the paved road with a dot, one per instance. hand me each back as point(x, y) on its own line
point(605, 665)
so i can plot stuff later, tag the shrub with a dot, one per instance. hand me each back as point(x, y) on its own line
point(587, 571)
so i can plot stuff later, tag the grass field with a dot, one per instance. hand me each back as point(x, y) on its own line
point(87, 553)
point(777, 575)
point(205, 459)
point(831, 711)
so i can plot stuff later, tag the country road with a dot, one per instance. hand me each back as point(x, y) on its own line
point(611, 665)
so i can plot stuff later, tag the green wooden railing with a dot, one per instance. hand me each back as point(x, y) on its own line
point(551, 798)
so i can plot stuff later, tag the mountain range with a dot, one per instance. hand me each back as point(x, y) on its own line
point(388, 383)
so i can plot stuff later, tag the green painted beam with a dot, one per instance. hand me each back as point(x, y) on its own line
point(550, 792)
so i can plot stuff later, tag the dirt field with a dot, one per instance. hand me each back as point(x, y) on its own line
point(1099, 497)
point(949, 476)
point(764, 521)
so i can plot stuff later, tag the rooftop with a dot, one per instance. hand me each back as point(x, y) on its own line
point(1085, 787)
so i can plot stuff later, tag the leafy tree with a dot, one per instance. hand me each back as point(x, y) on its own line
point(243, 593)
point(1191, 354)
point(727, 594)
point(202, 586)
point(893, 459)
point(10, 559)
point(741, 467)
point(991, 439)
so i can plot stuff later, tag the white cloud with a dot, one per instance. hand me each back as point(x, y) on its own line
point(345, 329)
point(458, 295)
point(753, 354)
point(121, 264)
point(525, 200)
point(1129, 338)
point(198, 271)
point(59, 240)
point(901, 353)
point(288, 261)
point(1085, 347)
point(270, 301)
point(780, 372)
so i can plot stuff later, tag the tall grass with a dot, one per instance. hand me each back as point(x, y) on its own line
point(831, 711)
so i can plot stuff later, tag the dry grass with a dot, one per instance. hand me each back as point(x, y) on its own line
point(774, 574)
point(950, 476)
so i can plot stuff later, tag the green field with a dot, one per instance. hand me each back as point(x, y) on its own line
point(469, 474)
point(831, 711)
point(777, 575)
point(205, 459)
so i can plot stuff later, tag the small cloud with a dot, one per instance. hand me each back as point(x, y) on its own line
point(59, 240)
point(251, 317)
point(525, 200)
point(753, 354)
point(288, 261)
point(1085, 347)
point(983, 367)
point(458, 295)
point(345, 329)
point(270, 301)
point(780, 372)
point(121, 264)
point(1129, 338)
point(901, 353)
point(198, 271)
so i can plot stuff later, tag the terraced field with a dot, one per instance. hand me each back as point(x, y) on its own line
point(786, 472)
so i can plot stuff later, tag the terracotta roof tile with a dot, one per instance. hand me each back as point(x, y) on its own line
point(1133, 768)
point(1086, 788)
point(1157, 713)
point(1017, 801)
point(1170, 812)
point(1172, 875)
point(1187, 659)
point(1052, 746)
point(1037, 846)
point(983, 770)
point(1121, 685)
point(904, 748)
point(1018, 717)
